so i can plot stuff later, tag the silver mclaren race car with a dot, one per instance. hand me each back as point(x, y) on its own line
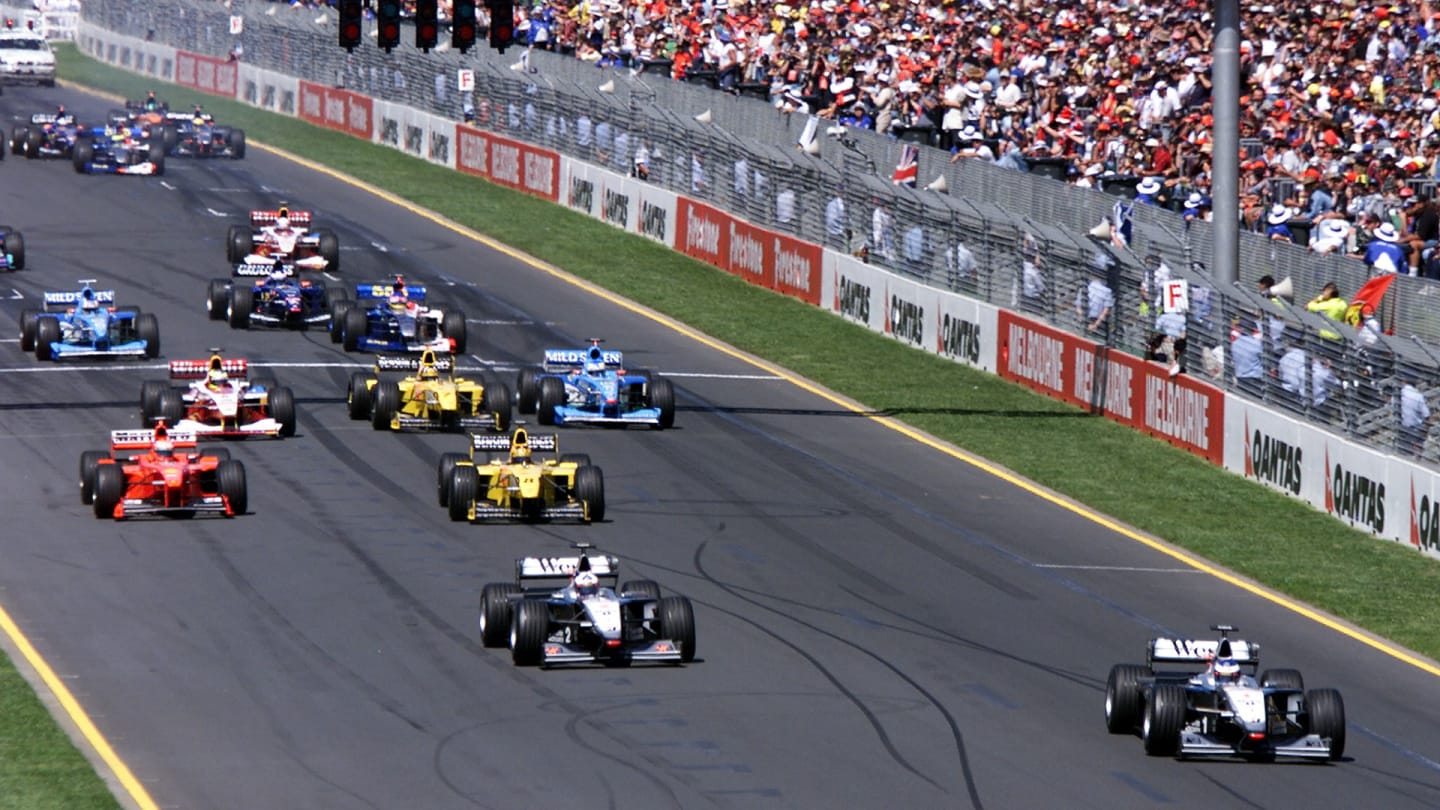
point(1224, 709)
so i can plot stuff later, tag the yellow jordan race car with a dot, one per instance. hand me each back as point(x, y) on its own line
point(432, 398)
point(517, 485)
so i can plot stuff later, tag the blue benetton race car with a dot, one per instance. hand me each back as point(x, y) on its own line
point(392, 317)
point(592, 386)
point(87, 324)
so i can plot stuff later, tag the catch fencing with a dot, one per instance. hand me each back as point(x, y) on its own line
point(983, 236)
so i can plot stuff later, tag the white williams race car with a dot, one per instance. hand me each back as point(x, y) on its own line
point(1224, 709)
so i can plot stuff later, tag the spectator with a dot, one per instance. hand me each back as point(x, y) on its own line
point(1277, 223)
point(1246, 353)
point(1384, 254)
point(1292, 374)
point(1032, 277)
point(1414, 418)
point(1332, 235)
point(1094, 304)
point(1330, 304)
point(1147, 191)
point(1323, 383)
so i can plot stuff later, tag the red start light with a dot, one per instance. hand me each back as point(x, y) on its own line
point(390, 31)
point(427, 31)
point(352, 31)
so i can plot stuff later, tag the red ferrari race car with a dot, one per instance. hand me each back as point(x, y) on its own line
point(222, 402)
point(160, 472)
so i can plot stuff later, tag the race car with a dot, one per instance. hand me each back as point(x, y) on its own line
point(284, 234)
point(1223, 710)
point(393, 317)
point(432, 398)
point(119, 150)
point(517, 485)
point(12, 248)
point(160, 472)
point(48, 135)
point(195, 134)
point(281, 301)
point(592, 386)
point(568, 610)
point(86, 323)
point(221, 402)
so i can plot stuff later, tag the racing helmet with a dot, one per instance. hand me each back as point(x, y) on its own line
point(282, 222)
point(88, 301)
point(428, 371)
point(1226, 670)
point(164, 448)
point(586, 583)
point(594, 361)
point(520, 452)
point(277, 273)
point(217, 375)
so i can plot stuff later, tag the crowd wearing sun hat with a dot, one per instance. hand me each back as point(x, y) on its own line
point(1340, 96)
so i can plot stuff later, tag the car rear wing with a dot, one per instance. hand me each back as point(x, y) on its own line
point(1192, 651)
point(70, 299)
point(142, 439)
point(261, 218)
point(570, 358)
point(537, 570)
point(444, 364)
point(500, 443)
point(44, 118)
point(197, 369)
point(383, 290)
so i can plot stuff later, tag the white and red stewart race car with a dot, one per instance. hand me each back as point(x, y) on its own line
point(221, 402)
point(281, 234)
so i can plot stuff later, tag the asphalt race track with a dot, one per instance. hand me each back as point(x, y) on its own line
point(880, 624)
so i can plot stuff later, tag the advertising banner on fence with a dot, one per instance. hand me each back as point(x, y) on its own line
point(508, 162)
point(1374, 491)
point(760, 256)
point(208, 74)
point(1180, 410)
point(337, 109)
point(625, 202)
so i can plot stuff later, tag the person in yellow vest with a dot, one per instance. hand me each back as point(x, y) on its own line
point(1330, 304)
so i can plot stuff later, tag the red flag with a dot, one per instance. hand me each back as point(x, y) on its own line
point(1367, 298)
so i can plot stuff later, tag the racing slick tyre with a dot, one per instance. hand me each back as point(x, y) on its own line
point(677, 623)
point(239, 307)
point(1283, 679)
point(495, 400)
point(662, 396)
point(1123, 698)
point(464, 489)
point(89, 463)
point(237, 144)
point(83, 154)
point(496, 613)
point(15, 246)
point(1327, 718)
point(1163, 718)
point(239, 243)
point(590, 490)
point(447, 464)
point(109, 488)
point(337, 319)
point(281, 407)
point(356, 324)
point(578, 459)
point(150, 393)
point(528, 632)
point(527, 389)
point(147, 328)
point(357, 398)
point(552, 396)
point(33, 139)
point(329, 249)
point(230, 475)
point(29, 318)
point(385, 403)
point(18, 137)
point(171, 406)
point(452, 325)
point(217, 297)
point(47, 331)
point(641, 587)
